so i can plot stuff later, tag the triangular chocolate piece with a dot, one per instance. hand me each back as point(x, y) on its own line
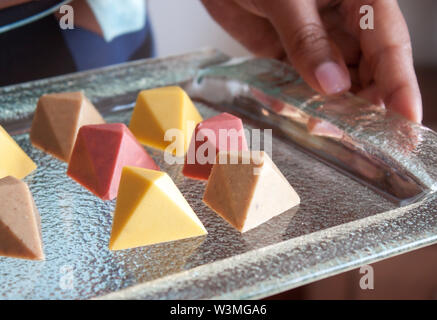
point(20, 229)
point(247, 189)
point(223, 132)
point(13, 160)
point(57, 119)
point(160, 109)
point(99, 155)
point(150, 209)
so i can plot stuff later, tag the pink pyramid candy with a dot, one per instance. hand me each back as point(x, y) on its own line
point(99, 155)
point(207, 137)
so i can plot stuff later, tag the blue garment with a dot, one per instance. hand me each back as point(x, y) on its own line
point(90, 50)
point(42, 49)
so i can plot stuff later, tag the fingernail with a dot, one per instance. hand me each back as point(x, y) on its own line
point(332, 78)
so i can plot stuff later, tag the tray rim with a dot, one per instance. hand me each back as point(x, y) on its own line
point(270, 286)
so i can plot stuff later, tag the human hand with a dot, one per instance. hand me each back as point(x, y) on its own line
point(323, 41)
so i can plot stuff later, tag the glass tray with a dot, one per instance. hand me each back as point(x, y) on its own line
point(340, 224)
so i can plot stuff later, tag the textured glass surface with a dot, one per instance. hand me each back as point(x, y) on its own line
point(339, 225)
point(395, 156)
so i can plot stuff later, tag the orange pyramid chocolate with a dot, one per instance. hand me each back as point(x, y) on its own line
point(57, 119)
point(20, 226)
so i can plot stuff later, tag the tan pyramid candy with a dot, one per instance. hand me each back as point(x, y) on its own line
point(20, 223)
point(57, 119)
point(247, 189)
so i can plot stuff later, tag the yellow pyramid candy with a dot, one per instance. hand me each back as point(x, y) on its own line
point(161, 109)
point(13, 162)
point(150, 209)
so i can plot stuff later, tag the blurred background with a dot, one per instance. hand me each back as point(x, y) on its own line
point(187, 26)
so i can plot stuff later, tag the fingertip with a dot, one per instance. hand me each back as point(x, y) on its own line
point(406, 102)
point(332, 78)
